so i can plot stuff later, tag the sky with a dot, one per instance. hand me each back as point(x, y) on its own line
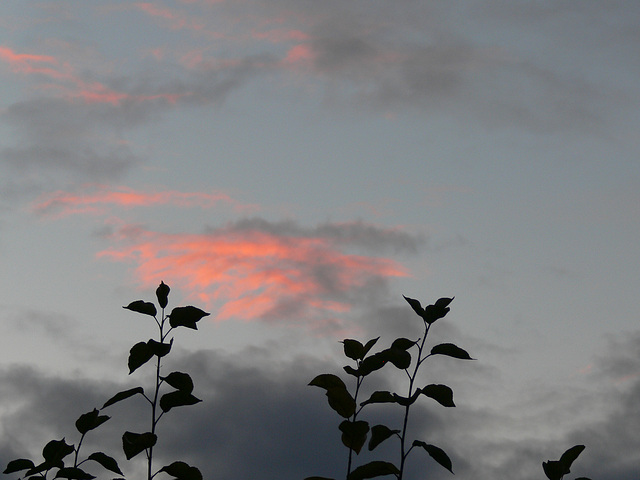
point(294, 168)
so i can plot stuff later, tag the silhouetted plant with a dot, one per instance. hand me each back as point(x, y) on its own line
point(354, 430)
point(557, 469)
point(56, 452)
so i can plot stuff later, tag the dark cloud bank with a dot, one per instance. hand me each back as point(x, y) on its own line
point(259, 419)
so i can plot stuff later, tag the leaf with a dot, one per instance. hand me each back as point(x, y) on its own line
point(415, 304)
point(182, 471)
point(73, 473)
point(379, 433)
point(369, 345)
point(556, 469)
point(54, 451)
point(440, 393)
point(402, 344)
point(139, 354)
point(177, 399)
point(354, 434)
point(351, 371)
point(339, 398)
point(159, 349)
point(140, 306)
point(186, 317)
point(134, 443)
point(380, 396)
point(436, 453)
point(373, 469)
point(180, 381)
point(404, 401)
point(123, 395)
point(443, 302)
point(162, 294)
point(353, 349)
point(450, 350)
point(18, 465)
point(106, 461)
point(89, 421)
point(372, 363)
point(436, 311)
point(400, 358)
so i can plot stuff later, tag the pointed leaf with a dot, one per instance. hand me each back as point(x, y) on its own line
point(402, 344)
point(123, 395)
point(89, 421)
point(162, 294)
point(182, 471)
point(353, 349)
point(54, 451)
point(404, 401)
point(351, 371)
point(369, 345)
point(380, 396)
point(415, 304)
point(354, 434)
point(179, 381)
point(373, 469)
point(570, 455)
point(106, 461)
point(74, 473)
point(18, 465)
point(372, 363)
point(339, 398)
point(436, 453)
point(450, 350)
point(139, 354)
point(440, 393)
point(134, 443)
point(140, 306)
point(186, 317)
point(443, 302)
point(327, 380)
point(436, 311)
point(177, 399)
point(379, 433)
point(400, 358)
point(159, 349)
point(553, 469)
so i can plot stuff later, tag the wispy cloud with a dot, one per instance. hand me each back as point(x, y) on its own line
point(96, 199)
point(255, 269)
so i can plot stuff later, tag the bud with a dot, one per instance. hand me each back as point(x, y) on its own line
point(162, 292)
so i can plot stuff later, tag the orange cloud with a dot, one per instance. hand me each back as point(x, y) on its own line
point(253, 273)
point(61, 204)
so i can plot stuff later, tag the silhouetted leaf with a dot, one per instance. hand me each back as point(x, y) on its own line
point(354, 434)
point(373, 469)
point(372, 363)
point(379, 433)
point(450, 350)
point(139, 354)
point(106, 461)
point(43, 467)
point(180, 381)
point(159, 349)
point(123, 395)
point(134, 443)
point(436, 453)
point(415, 304)
point(440, 393)
point(186, 317)
point(369, 345)
point(339, 398)
point(400, 358)
point(18, 465)
point(437, 310)
point(404, 401)
point(351, 371)
point(140, 306)
point(443, 302)
point(162, 293)
point(182, 471)
point(556, 469)
point(353, 349)
point(380, 396)
point(54, 451)
point(177, 399)
point(402, 344)
point(89, 421)
point(73, 473)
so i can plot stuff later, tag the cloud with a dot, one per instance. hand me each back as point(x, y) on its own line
point(269, 270)
point(96, 199)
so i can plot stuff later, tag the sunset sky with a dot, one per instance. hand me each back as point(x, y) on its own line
point(294, 167)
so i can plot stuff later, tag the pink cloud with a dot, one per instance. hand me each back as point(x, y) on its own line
point(97, 197)
point(252, 273)
point(177, 20)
